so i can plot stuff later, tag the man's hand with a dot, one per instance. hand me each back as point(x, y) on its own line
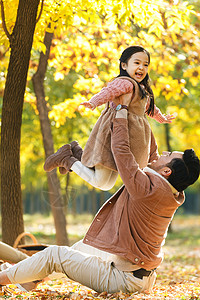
point(87, 104)
point(123, 99)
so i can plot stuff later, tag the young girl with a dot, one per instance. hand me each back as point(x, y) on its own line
point(97, 165)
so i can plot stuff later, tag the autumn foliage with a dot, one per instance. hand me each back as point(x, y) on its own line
point(88, 39)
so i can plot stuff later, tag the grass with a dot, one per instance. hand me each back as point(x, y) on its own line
point(42, 227)
point(182, 250)
point(185, 231)
point(185, 228)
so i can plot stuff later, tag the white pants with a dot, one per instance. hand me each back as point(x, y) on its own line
point(10, 254)
point(101, 177)
point(81, 263)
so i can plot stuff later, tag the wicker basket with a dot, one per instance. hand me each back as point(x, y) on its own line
point(29, 249)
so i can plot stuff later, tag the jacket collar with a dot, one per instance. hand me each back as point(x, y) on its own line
point(149, 170)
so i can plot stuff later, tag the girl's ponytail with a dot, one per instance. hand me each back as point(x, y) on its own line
point(149, 92)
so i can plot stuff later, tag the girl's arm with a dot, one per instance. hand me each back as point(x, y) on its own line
point(114, 89)
point(159, 116)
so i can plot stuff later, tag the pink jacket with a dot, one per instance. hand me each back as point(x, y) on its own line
point(133, 223)
point(115, 89)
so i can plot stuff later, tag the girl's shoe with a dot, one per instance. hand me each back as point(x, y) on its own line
point(76, 150)
point(77, 153)
point(62, 158)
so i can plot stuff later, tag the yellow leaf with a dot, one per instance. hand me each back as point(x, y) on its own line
point(58, 76)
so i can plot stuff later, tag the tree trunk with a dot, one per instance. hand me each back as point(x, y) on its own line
point(55, 197)
point(21, 41)
point(167, 136)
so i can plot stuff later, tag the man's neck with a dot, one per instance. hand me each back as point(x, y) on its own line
point(149, 169)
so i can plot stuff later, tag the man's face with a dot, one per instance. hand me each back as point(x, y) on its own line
point(164, 159)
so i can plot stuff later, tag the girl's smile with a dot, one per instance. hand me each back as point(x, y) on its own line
point(137, 66)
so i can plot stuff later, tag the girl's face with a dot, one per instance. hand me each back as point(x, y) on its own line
point(137, 66)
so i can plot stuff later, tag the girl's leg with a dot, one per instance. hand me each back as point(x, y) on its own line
point(102, 178)
point(111, 181)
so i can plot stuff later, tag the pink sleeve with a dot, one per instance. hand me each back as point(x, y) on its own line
point(114, 89)
point(158, 116)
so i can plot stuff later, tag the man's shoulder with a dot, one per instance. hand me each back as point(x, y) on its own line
point(148, 184)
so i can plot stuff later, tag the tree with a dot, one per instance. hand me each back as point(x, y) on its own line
point(21, 40)
point(53, 181)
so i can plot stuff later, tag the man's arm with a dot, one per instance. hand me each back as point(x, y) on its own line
point(154, 155)
point(134, 179)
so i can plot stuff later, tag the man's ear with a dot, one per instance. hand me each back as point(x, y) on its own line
point(123, 64)
point(165, 172)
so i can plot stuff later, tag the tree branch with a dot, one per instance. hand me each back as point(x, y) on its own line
point(41, 9)
point(4, 21)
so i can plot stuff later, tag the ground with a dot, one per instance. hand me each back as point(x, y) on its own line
point(178, 276)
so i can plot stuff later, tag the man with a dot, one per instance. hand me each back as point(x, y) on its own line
point(122, 247)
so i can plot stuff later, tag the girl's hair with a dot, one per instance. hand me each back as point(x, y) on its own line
point(126, 55)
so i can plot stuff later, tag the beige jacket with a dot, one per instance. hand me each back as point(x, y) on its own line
point(133, 223)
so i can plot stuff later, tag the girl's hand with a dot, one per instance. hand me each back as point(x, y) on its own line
point(166, 118)
point(87, 104)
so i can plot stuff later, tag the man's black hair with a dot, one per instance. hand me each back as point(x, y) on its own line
point(184, 171)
